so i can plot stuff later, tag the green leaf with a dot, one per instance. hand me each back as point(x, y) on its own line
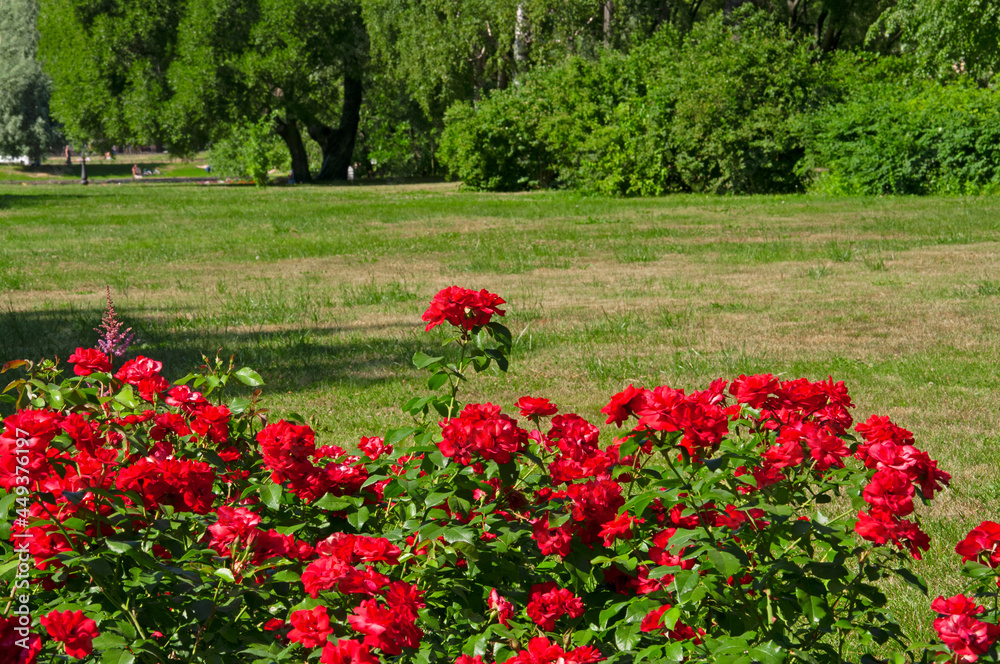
point(639, 609)
point(333, 503)
point(393, 436)
point(436, 498)
point(119, 546)
point(458, 534)
point(437, 380)
point(249, 377)
point(627, 636)
point(225, 573)
point(287, 576)
point(685, 582)
point(674, 652)
point(108, 640)
point(5, 504)
point(726, 563)
point(112, 656)
point(610, 612)
point(813, 606)
point(270, 495)
point(238, 405)
point(768, 653)
point(359, 517)
point(422, 360)
point(126, 397)
point(975, 570)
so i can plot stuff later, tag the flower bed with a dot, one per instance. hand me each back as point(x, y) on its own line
point(751, 521)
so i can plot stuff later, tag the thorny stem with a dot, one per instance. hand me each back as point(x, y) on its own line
point(850, 607)
point(700, 508)
point(457, 379)
point(211, 616)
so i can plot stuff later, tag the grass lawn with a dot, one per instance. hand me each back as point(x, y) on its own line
point(321, 290)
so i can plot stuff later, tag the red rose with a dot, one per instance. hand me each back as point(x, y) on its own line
point(347, 652)
point(653, 622)
point(185, 398)
point(375, 549)
point(541, 651)
point(310, 628)
point(785, 455)
point(135, 370)
point(463, 308)
point(10, 651)
point(482, 429)
point(890, 490)
point(85, 433)
point(89, 360)
point(212, 422)
point(73, 629)
point(388, 628)
point(620, 528)
point(624, 404)
point(547, 603)
point(503, 608)
point(552, 540)
point(982, 544)
point(233, 524)
point(326, 573)
point(959, 630)
point(753, 390)
point(167, 423)
point(284, 444)
point(957, 605)
point(535, 407)
point(374, 447)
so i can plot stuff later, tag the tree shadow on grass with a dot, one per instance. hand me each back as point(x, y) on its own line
point(295, 358)
point(15, 201)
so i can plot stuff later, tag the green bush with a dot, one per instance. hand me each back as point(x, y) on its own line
point(720, 112)
point(740, 90)
point(540, 132)
point(919, 138)
point(494, 146)
point(250, 151)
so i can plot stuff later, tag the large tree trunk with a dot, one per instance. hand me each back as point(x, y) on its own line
point(288, 129)
point(338, 144)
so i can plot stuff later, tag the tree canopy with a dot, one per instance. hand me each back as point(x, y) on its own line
point(947, 36)
point(187, 71)
point(25, 128)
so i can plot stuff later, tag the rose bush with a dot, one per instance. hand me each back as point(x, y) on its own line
point(751, 521)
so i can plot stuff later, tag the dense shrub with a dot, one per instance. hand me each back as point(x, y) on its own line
point(250, 151)
point(719, 112)
point(495, 146)
point(751, 521)
point(539, 132)
point(916, 138)
point(741, 89)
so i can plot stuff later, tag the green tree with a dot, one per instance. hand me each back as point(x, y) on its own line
point(25, 128)
point(190, 71)
point(458, 50)
point(947, 36)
